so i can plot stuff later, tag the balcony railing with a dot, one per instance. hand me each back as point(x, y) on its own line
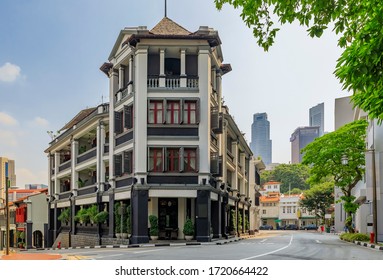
point(173, 82)
point(87, 155)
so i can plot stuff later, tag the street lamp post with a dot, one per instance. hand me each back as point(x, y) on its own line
point(374, 195)
point(7, 215)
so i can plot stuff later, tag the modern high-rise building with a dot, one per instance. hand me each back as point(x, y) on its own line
point(260, 137)
point(300, 138)
point(316, 115)
point(11, 174)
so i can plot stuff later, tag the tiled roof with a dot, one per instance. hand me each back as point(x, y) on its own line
point(168, 27)
point(80, 116)
point(269, 199)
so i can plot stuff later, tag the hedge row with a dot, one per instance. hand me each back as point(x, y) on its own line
point(351, 237)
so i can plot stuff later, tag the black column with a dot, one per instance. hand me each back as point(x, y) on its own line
point(48, 235)
point(29, 235)
point(216, 217)
point(111, 215)
point(224, 215)
point(139, 214)
point(203, 216)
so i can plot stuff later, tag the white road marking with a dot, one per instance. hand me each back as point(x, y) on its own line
point(108, 256)
point(272, 252)
point(262, 241)
point(317, 241)
point(146, 251)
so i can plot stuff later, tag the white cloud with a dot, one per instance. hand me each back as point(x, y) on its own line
point(7, 119)
point(28, 176)
point(40, 122)
point(8, 138)
point(9, 72)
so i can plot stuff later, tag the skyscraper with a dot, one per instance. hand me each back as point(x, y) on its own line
point(11, 174)
point(317, 117)
point(300, 138)
point(260, 137)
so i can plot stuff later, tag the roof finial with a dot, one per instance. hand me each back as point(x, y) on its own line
point(166, 8)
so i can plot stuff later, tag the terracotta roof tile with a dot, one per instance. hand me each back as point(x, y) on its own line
point(168, 27)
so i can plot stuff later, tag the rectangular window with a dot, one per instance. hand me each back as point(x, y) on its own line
point(173, 159)
point(155, 160)
point(190, 160)
point(118, 122)
point(117, 165)
point(128, 117)
point(190, 112)
point(284, 209)
point(173, 112)
point(288, 209)
point(128, 162)
point(263, 211)
point(156, 112)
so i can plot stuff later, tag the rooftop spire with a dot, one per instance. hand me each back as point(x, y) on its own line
point(166, 8)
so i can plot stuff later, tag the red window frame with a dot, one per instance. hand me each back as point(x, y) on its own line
point(189, 155)
point(155, 156)
point(173, 159)
point(188, 110)
point(155, 110)
point(172, 108)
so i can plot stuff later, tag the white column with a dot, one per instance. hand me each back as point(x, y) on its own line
point(100, 153)
point(204, 66)
point(140, 116)
point(162, 68)
point(183, 77)
point(113, 87)
point(234, 151)
point(121, 76)
point(130, 86)
point(74, 176)
point(57, 163)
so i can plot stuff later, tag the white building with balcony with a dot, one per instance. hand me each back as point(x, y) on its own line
point(165, 144)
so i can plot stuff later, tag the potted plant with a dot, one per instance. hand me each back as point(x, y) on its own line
point(128, 221)
point(81, 183)
point(82, 216)
point(117, 220)
point(92, 211)
point(153, 220)
point(101, 217)
point(64, 217)
point(233, 222)
point(188, 229)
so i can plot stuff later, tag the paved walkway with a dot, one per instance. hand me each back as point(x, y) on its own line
point(25, 255)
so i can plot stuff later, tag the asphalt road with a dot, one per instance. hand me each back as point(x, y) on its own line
point(270, 245)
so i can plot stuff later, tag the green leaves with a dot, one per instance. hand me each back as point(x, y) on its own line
point(359, 24)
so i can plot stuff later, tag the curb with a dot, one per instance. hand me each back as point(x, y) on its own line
point(369, 245)
point(218, 242)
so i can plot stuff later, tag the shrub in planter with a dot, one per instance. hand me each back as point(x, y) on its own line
point(82, 215)
point(188, 228)
point(92, 211)
point(153, 220)
point(351, 237)
point(64, 217)
point(101, 217)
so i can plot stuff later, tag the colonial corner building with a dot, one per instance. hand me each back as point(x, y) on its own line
point(164, 145)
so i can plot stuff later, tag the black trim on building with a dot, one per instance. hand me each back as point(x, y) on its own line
point(172, 131)
point(172, 179)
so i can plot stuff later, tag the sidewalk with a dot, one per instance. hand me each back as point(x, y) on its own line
point(25, 255)
point(49, 254)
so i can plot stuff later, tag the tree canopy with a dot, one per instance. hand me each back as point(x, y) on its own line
point(319, 198)
point(325, 154)
point(290, 175)
point(358, 23)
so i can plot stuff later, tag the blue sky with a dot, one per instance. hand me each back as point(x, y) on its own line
point(51, 51)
